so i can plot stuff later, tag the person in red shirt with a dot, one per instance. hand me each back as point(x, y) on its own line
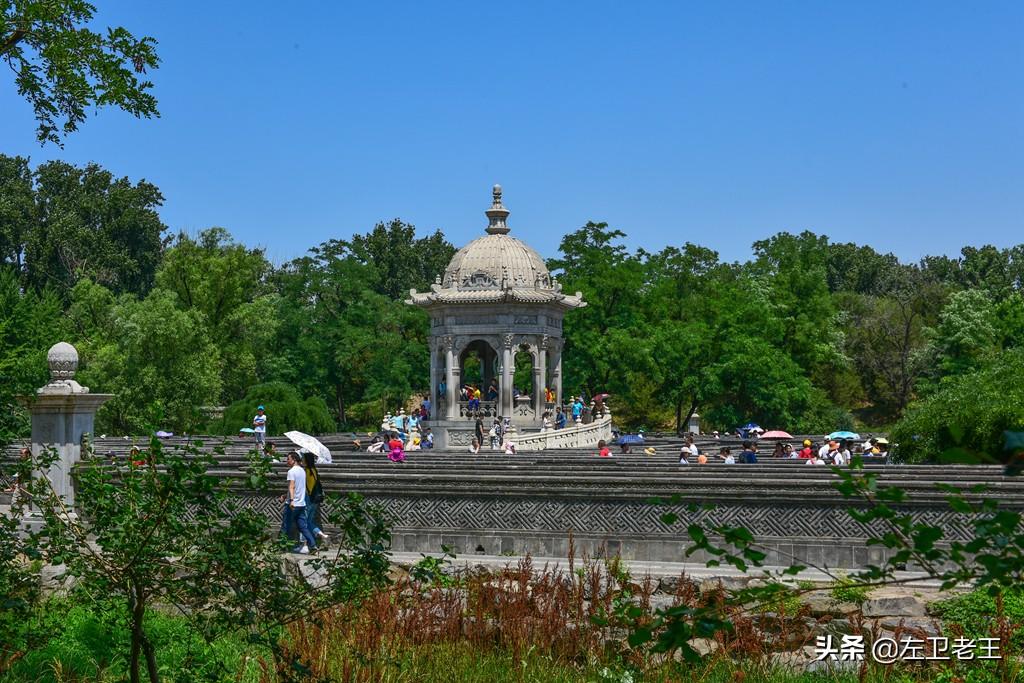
point(603, 450)
point(807, 452)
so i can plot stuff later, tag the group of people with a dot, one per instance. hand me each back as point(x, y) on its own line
point(302, 502)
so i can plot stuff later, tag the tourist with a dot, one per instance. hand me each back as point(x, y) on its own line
point(702, 459)
point(510, 448)
point(624, 447)
point(807, 452)
point(442, 390)
point(395, 450)
point(749, 454)
point(716, 434)
point(682, 456)
point(788, 452)
point(549, 396)
point(425, 408)
point(492, 434)
point(559, 418)
point(474, 446)
point(779, 451)
point(577, 410)
point(650, 450)
point(546, 421)
point(603, 450)
point(428, 439)
point(377, 445)
point(478, 430)
point(881, 448)
point(492, 391)
point(259, 427)
point(474, 402)
point(689, 449)
point(295, 507)
point(726, 454)
point(314, 496)
point(824, 450)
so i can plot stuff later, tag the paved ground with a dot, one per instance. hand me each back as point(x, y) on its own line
point(655, 569)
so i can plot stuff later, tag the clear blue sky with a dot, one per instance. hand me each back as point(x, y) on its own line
point(900, 125)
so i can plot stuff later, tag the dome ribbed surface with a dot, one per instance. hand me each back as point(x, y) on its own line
point(494, 261)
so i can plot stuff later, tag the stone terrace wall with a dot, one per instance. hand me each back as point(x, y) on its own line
point(495, 504)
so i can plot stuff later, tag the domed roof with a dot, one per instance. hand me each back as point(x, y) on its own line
point(496, 260)
point(496, 267)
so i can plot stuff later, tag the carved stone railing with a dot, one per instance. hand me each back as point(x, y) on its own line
point(487, 409)
point(573, 436)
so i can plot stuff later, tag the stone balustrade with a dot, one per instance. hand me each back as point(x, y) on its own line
point(573, 436)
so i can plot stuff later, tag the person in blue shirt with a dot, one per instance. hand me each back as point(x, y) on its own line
point(577, 409)
point(749, 454)
point(559, 418)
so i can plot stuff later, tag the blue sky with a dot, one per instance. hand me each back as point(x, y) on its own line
point(900, 125)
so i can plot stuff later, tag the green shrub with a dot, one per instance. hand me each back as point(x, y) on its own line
point(844, 590)
point(286, 411)
point(969, 413)
point(976, 613)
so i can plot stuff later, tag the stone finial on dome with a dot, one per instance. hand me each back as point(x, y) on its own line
point(497, 214)
point(63, 361)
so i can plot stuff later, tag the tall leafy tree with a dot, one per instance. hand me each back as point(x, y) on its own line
point(89, 224)
point(227, 284)
point(400, 260)
point(62, 67)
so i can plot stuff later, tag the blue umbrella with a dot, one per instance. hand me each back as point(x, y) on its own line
point(163, 435)
point(750, 425)
point(844, 435)
point(631, 440)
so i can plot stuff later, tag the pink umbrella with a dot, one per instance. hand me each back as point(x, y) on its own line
point(776, 434)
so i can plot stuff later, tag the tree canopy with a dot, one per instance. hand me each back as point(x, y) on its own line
point(62, 67)
point(807, 335)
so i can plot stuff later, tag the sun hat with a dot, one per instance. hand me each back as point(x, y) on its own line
point(807, 442)
point(260, 408)
point(884, 442)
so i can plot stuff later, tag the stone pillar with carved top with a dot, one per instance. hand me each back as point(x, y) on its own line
point(63, 413)
point(540, 374)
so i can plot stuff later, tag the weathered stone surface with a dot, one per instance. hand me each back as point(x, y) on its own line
point(820, 604)
point(894, 605)
point(675, 584)
point(704, 646)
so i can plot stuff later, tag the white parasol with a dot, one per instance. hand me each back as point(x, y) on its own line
point(309, 443)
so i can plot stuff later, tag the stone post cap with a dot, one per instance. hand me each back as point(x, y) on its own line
point(63, 361)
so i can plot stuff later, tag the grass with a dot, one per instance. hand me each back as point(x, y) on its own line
point(520, 624)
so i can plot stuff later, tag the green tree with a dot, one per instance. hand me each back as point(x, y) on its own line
point(971, 411)
point(30, 324)
point(18, 210)
point(400, 260)
point(150, 354)
point(227, 284)
point(966, 336)
point(609, 334)
point(63, 67)
point(89, 224)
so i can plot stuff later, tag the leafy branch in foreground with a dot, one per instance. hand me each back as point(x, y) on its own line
point(161, 531)
point(61, 67)
point(993, 558)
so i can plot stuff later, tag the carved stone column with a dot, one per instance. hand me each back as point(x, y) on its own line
point(556, 375)
point(540, 374)
point(450, 372)
point(505, 408)
point(435, 407)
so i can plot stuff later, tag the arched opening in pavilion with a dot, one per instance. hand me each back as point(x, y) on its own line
point(523, 380)
point(478, 368)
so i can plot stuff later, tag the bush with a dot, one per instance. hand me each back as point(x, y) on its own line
point(975, 613)
point(969, 414)
point(286, 411)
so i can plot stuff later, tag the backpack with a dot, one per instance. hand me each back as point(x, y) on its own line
point(317, 494)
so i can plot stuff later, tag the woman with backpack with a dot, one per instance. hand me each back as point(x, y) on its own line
point(314, 497)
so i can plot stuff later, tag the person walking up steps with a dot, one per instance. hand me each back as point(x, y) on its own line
point(259, 427)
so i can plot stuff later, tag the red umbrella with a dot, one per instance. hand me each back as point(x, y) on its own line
point(776, 434)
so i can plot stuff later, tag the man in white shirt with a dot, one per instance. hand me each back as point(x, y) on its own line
point(296, 504)
point(259, 426)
